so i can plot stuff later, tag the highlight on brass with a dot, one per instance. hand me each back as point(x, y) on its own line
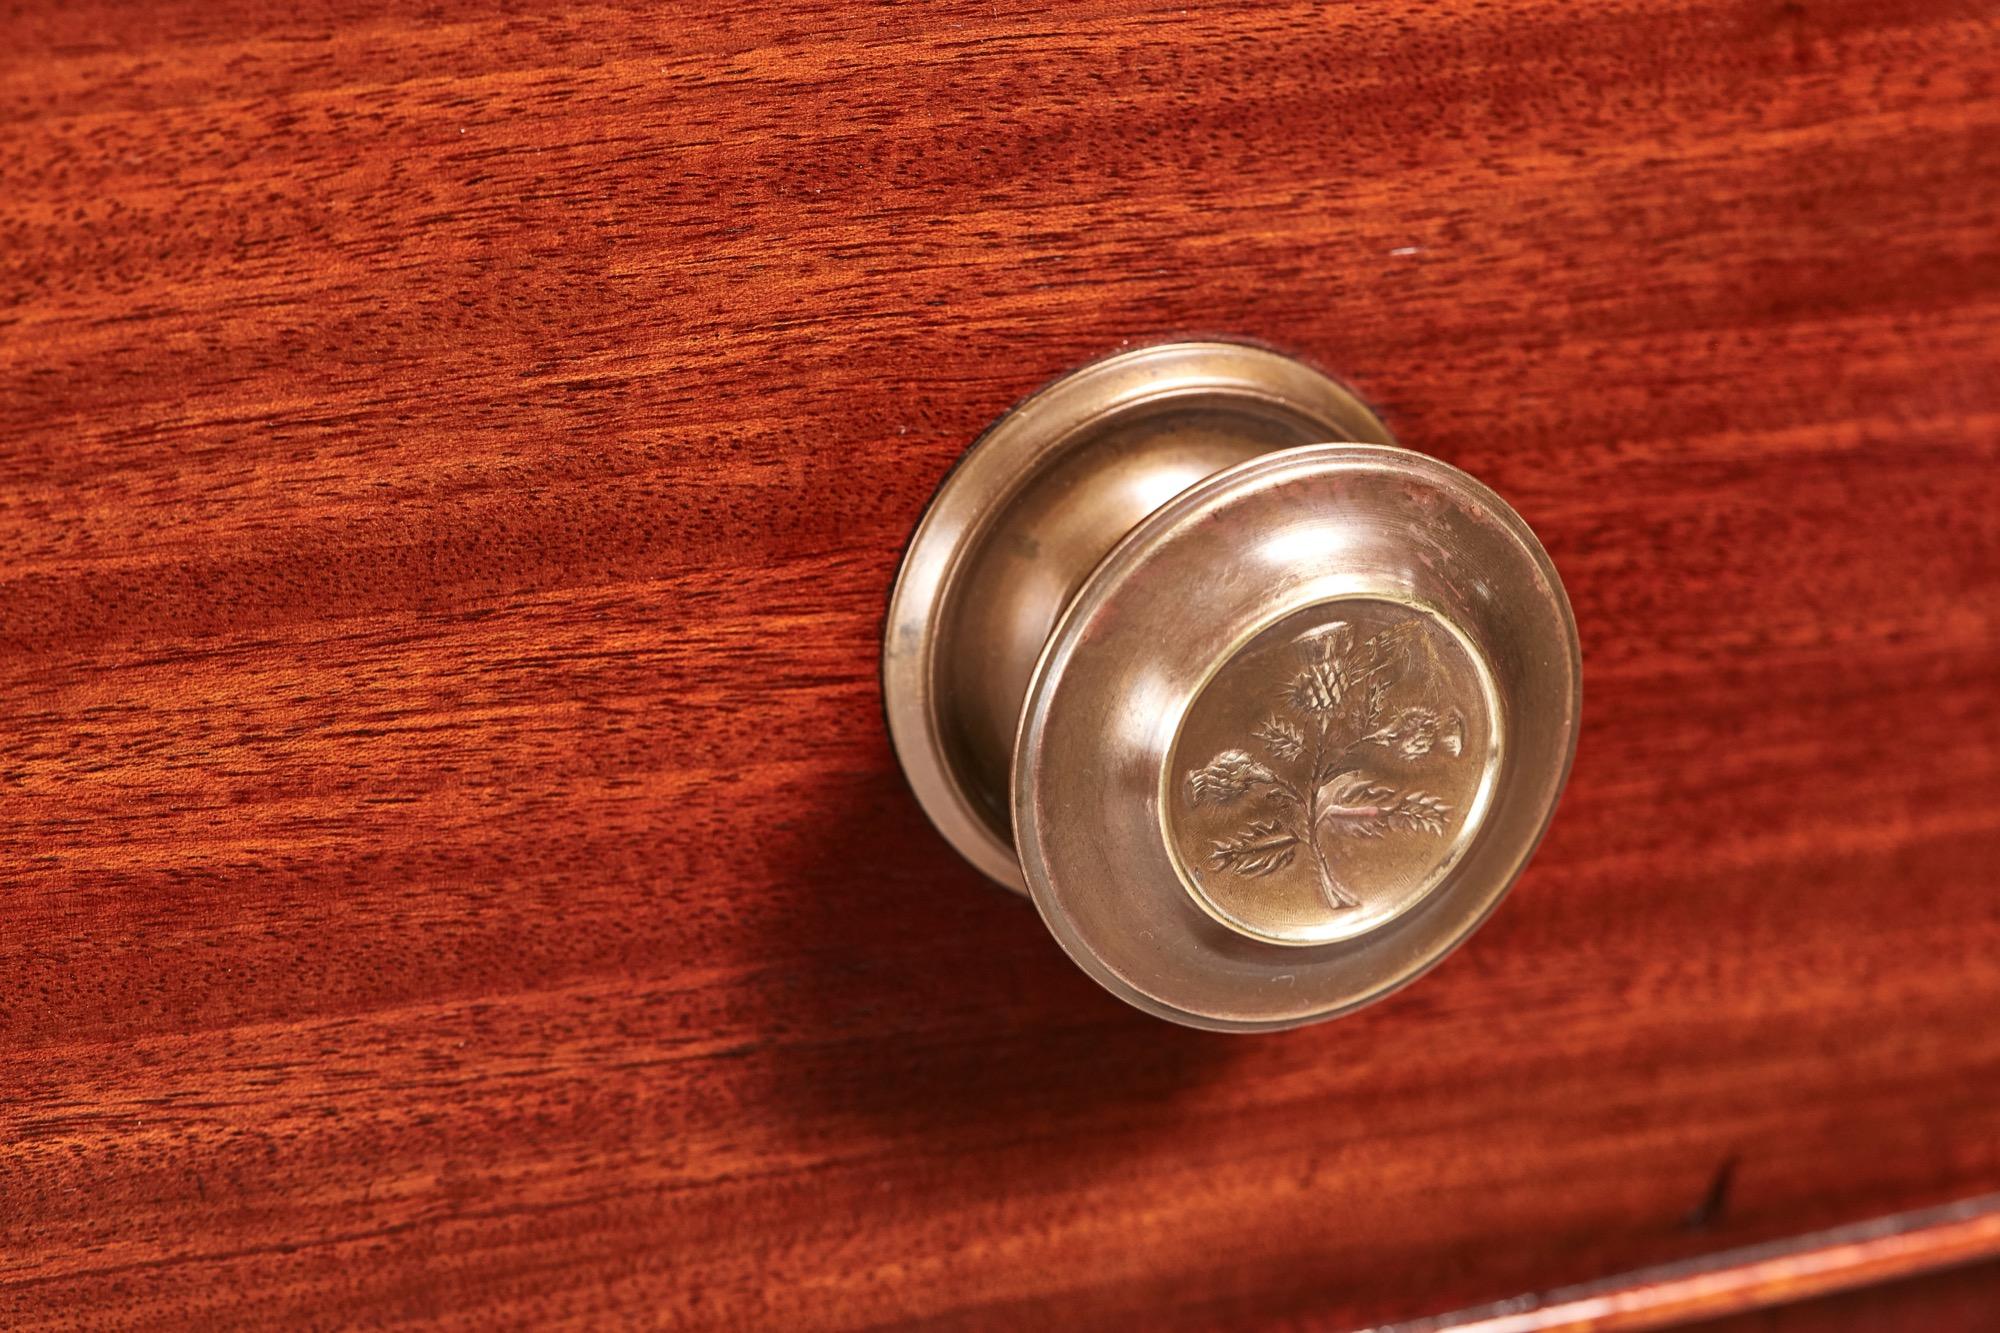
point(1265, 712)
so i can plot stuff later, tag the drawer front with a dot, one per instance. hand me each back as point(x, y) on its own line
point(451, 473)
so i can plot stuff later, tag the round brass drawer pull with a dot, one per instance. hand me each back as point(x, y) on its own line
point(1264, 725)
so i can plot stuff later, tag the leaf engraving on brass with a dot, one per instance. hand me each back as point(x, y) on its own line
point(1314, 776)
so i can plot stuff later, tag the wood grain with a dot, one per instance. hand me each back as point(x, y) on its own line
point(451, 466)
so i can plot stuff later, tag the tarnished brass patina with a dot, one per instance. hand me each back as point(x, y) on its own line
point(1264, 725)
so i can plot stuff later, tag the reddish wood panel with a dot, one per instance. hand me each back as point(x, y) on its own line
point(451, 467)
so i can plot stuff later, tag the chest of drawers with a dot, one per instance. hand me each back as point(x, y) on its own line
point(452, 468)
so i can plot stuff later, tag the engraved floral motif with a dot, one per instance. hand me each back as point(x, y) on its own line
point(1349, 705)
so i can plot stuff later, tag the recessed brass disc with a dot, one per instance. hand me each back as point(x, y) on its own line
point(1332, 772)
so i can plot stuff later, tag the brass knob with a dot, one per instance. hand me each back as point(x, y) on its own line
point(1264, 725)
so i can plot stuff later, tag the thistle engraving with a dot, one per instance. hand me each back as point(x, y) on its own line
point(1353, 706)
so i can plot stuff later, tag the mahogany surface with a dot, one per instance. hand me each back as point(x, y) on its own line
point(452, 463)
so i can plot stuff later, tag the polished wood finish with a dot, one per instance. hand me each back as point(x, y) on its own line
point(450, 473)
